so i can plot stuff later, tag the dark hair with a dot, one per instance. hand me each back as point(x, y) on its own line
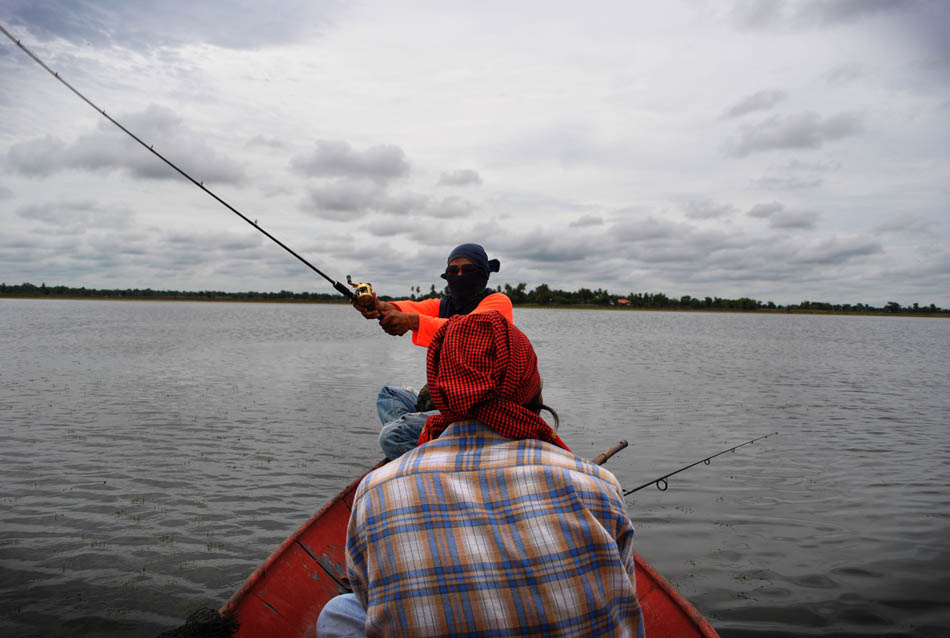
point(535, 405)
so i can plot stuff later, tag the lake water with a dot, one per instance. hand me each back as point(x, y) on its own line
point(152, 454)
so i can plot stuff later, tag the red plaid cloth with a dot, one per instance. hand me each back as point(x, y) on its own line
point(480, 366)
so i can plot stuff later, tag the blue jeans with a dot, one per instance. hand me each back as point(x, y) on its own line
point(402, 425)
point(342, 617)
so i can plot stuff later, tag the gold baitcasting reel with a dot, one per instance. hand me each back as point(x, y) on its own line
point(363, 293)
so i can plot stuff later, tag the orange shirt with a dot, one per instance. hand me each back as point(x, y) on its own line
point(429, 320)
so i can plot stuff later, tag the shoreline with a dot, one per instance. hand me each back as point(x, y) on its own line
point(758, 311)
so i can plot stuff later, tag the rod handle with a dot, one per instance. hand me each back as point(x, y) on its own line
point(601, 458)
point(343, 290)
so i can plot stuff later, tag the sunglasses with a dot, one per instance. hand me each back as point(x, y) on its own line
point(465, 269)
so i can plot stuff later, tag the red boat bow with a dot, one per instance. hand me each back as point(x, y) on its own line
point(284, 596)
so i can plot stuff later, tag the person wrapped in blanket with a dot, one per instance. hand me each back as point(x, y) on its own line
point(401, 410)
point(492, 526)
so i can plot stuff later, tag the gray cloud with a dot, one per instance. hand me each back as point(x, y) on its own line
point(707, 209)
point(346, 199)
point(920, 25)
point(142, 24)
point(760, 101)
point(189, 241)
point(690, 260)
point(759, 14)
point(91, 254)
point(450, 208)
point(833, 251)
point(822, 166)
point(547, 248)
point(464, 177)
point(715, 242)
point(789, 219)
point(648, 229)
point(40, 157)
point(927, 28)
point(781, 218)
point(796, 175)
point(780, 266)
point(786, 183)
point(587, 220)
point(240, 243)
point(936, 265)
point(401, 204)
point(387, 227)
point(844, 74)
point(570, 143)
point(76, 217)
point(343, 199)
point(107, 148)
point(805, 130)
point(831, 12)
point(689, 249)
point(5, 193)
point(755, 14)
point(765, 210)
point(923, 24)
point(905, 224)
point(264, 141)
point(340, 159)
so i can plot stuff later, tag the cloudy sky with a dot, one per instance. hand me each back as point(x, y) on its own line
point(772, 149)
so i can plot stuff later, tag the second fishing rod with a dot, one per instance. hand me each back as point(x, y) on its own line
point(361, 293)
point(662, 483)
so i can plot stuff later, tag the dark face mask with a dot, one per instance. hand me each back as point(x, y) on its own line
point(465, 286)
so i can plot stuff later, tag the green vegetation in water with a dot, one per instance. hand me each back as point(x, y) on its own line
point(541, 296)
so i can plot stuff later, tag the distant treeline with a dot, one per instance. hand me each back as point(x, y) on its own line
point(30, 290)
point(543, 295)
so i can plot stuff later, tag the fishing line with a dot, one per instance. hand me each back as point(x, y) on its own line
point(662, 484)
point(336, 284)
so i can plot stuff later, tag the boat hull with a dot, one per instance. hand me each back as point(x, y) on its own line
point(284, 596)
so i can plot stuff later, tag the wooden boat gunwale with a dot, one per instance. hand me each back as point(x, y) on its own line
point(345, 497)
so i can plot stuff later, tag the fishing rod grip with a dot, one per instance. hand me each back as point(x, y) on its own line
point(601, 458)
point(343, 290)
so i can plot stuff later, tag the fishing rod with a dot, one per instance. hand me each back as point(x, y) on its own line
point(662, 484)
point(363, 293)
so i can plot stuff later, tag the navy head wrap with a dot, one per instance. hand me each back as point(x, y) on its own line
point(476, 254)
point(466, 291)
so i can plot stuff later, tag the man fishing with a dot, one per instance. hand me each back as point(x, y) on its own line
point(492, 527)
point(401, 410)
point(466, 273)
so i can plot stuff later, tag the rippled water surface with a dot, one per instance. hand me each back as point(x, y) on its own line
point(152, 454)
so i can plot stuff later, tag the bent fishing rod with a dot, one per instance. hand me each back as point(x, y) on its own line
point(364, 291)
point(662, 484)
